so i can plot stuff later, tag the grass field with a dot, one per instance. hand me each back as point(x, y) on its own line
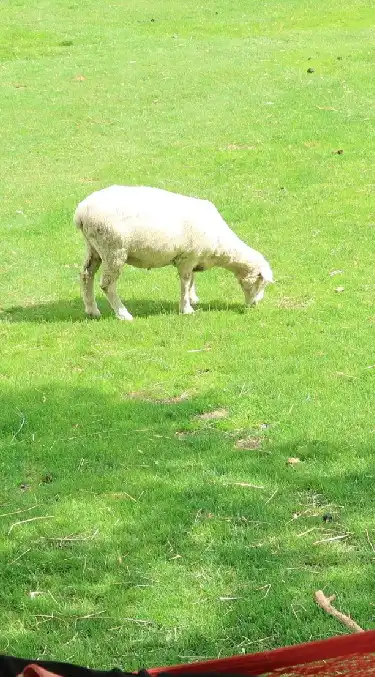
point(148, 511)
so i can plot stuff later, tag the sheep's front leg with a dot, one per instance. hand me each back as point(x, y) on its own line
point(108, 284)
point(185, 305)
point(193, 294)
point(90, 267)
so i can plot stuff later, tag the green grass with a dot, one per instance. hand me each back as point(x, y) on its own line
point(145, 530)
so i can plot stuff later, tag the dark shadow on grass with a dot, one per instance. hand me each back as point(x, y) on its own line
point(159, 548)
point(72, 310)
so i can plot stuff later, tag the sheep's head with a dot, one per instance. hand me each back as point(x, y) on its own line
point(254, 282)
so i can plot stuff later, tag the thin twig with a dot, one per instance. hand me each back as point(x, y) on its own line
point(249, 486)
point(198, 350)
point(303, 568)
point(87, 616)
point(325, 604)
point(17, 512)
point(266, 587)
point(23, 421)
point(74, 539)
point(98, 614)
point(128, 496)
point(139, 621)
point(19, 557)
point(271, 497)
point(32, 519)
point(371, 544)
point(297, 515)
point(199, 512)
point(62, 617)
point(52, 597)
point(256, 641)
point(306, 532)
point(101, 432)
point(333, 538)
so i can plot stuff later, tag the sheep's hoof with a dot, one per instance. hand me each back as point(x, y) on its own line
point(94, 314)
point(124, 315)
point(188, 311)
point(194, 300)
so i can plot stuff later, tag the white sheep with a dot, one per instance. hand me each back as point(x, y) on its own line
point(152, 228)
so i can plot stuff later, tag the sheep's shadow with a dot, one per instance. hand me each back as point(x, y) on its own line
point(71, 310)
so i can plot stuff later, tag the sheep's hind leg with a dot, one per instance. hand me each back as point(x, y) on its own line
point(192, 293)
point(90, 267)
point(186, 280)
point(108, 284)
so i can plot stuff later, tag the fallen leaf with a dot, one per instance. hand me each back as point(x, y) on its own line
point(293, 460)
point(336, 272)
point(80, 78)
point(339, 289)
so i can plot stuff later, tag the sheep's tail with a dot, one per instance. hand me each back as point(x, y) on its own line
point(77, 219)
point(266, 272)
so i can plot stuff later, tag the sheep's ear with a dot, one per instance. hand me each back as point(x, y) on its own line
point(266, 274)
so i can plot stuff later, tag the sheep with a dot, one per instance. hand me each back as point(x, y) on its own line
point(151, 228)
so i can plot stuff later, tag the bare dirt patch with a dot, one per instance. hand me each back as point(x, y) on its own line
point(145, 396)
point(249, 443)
point(239, 146)
point(213, 415)
point(289, 303)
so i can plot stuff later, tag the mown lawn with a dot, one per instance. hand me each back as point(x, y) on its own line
point(137, 527)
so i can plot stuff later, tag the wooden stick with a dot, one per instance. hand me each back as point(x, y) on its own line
point(325, 604)
point(32, 519)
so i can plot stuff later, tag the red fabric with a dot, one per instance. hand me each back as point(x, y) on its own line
point(37, 671)
point(345, 655)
